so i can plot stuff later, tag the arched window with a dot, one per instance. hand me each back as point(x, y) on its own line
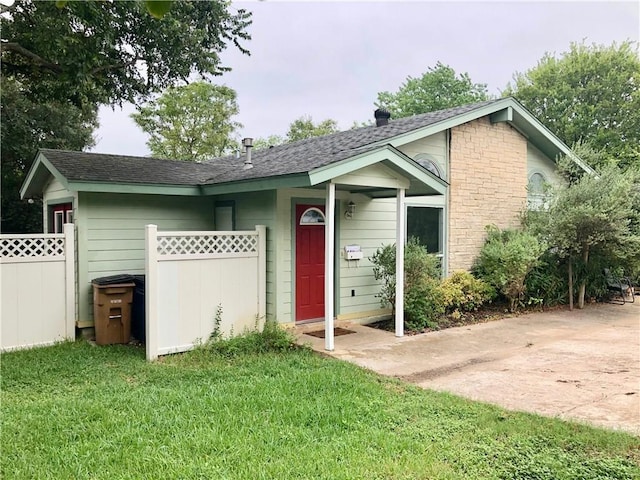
point(429, 162)
point(537, 182)
point(536, 191)
point(312, 216)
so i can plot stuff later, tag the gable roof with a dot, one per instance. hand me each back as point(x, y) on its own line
point(87, 171)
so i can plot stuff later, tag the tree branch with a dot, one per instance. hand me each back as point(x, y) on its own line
point(116, 66)
point(7, 8)
point(36, 59)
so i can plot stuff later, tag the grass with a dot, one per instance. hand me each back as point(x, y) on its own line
point(83, 412)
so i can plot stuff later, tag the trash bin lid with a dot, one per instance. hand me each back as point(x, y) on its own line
point(113, 279)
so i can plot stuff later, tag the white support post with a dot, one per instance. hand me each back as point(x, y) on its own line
point(329, 248)
point(151, 291)
point(262, 272)
point(400, 239)
point(70, 280)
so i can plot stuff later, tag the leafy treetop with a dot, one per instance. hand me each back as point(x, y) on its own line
point(300, 129)
point(108, 52)
point(589, 94)
point(437, 89)
point(191, 122)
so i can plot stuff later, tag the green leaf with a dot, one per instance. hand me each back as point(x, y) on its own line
point(158, 8)
point(61, 3)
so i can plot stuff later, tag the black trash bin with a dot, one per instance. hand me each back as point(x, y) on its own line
point(138, 309)
point(112, 298)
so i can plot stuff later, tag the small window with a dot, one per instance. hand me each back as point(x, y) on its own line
point(428, 161)
point(59, 215)
point(312, 216)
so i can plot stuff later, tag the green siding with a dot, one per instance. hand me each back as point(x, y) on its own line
point(111, 230)
point(373, 225)
point(539, 162)
point(258, 208)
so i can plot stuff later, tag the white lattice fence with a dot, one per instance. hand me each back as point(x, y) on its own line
point(37, 281)
point(34, 248)
point(190, 274)
point(216, 244)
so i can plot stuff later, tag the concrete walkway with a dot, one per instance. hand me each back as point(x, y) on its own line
point(582, 365)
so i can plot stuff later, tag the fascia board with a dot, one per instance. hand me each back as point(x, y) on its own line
point(188, 190)
point(41, 162)
point(548, 135)
point(258, 184)
point(448, 123)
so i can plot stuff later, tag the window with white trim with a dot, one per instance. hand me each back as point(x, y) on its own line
point(429, 162)
point(59, 215)
point(312, 216)
point(426, 224)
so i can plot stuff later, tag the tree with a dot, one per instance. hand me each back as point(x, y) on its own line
point(27, 126)
point(589, 94)
point(304, 127)
point(300, 129)
point(596, 216)
point(437, 89)
point(108, 52)
point(270, 141)
point(59, 64)
point(156, 8)
point(191, 122)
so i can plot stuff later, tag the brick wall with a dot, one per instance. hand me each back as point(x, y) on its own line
point(488, 172)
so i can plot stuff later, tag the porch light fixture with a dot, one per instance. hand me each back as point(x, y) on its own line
point(351, 209)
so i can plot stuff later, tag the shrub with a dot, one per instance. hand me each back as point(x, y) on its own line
point(419, 265)
point(422, 302)
point(465, 293)
point(546, 283)
point(423, 305)
point(505, 260)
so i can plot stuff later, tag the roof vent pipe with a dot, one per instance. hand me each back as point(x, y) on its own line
point(247, 143)
point(382, 117)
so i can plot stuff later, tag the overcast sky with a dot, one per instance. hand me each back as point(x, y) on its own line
point(330, 59)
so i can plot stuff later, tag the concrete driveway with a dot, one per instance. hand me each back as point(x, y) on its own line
point(582, 365)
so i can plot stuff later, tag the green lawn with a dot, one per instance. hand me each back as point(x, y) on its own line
point(76, 411)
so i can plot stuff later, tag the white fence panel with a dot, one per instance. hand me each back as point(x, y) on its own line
point(37, 277)
point(190, 274)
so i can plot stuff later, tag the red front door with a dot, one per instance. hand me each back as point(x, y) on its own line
point(309, 262)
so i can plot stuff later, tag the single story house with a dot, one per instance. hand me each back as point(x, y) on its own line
point(450, 173)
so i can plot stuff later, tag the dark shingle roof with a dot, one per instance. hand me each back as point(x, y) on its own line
point(101, 167)
point(292, 158)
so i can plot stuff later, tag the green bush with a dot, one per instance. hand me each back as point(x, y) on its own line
point(546, 283)
point(422, 302)
point(423, 305)
point(419, 265)
point(465, 293)
point(505, 260)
